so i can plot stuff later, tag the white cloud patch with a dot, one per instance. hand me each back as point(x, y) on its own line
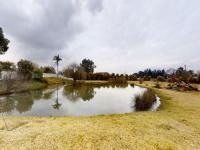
point(120, 36)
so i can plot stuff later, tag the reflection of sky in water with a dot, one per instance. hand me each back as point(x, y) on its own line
point(72, 101)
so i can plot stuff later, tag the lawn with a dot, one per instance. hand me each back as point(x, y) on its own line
point(175, 126)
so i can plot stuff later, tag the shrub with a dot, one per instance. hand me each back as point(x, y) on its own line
point(147, 78)
point(145, 101)
point(132, 78)
point(26, 68)
point(160, 78)
point(118, 80)
point(193, 79)
point(169, 86)
point(173, 79)
point(140, 80)
point(7, 65)
point(198, 76)
point(157, 85)
point(37, 74)
point(1, 68)
point(48, 69)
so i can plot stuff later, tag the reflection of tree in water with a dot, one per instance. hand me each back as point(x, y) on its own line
point(7, 104)
point(22, 102)
point(75, 92)
point(26, 100)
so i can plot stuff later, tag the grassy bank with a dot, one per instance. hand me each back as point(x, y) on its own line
point(24, 86)
point(174, 126)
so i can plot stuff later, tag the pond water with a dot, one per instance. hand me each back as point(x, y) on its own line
point(80, 100)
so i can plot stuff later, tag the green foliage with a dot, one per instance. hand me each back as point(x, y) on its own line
point(157, 85)
point(145, 101)
point(88, 65)
point(48, 69)
point(118, 80)
point(77, 91)
point(141, 80)
point(75, 71)
point(38, 74)
point(26, 68)
point(198, 76)
point(147, 78)
point(1, 68)
point(3, 42)
point(7, 66)
point(100, 76)
point(160, 78)
point(132, 77)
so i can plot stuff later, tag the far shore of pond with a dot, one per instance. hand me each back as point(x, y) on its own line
point(174, 126)
point(25, 86)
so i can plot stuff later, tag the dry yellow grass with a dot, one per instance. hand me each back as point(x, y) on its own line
point(175, 126)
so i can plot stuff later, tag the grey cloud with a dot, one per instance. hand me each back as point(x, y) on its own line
point(49, 25)
point(125, 36)
point(95, 6)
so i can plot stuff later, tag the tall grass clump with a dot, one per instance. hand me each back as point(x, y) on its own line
point(145, 101)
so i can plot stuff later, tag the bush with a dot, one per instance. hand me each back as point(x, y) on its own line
point(140, 80)
point(160, 78)
point(1, 68)
point(157, 85)
point(26, 68)
point(145, 101)
point(37, 74)
point(198, 76)
point(193, 79)
point(169, 86)
point(133, 78)
point(48, 69)
point(147, 78)
point(118, 80)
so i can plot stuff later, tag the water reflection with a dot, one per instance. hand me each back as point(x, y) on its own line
point(57, 105)
point(76, 92)
point(76, 100)
point(23, 102)
point(86, 92)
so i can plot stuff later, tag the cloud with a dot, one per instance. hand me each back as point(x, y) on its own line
point(95, 6)
point(119, 36)
point(41, 25)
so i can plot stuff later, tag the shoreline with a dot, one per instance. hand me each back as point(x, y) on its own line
point(178, 117)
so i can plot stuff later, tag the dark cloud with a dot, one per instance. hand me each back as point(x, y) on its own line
point(120, 36)
point(47, 25)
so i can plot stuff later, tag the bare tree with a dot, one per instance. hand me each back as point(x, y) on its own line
point(74, 71)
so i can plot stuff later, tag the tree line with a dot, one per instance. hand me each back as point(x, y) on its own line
point(85, 70)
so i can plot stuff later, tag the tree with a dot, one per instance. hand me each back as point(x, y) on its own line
point(88, 65)
point(75, 71)
point(57, 59)
point(37, 74)
point(198, 76)
point(7, 66)
point(3, 42)
point(25, 67)
point(48, 69)
point(1, 68)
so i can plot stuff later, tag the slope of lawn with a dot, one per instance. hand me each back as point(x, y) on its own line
point(175, 126)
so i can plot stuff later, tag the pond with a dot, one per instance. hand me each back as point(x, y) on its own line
point(79, 100)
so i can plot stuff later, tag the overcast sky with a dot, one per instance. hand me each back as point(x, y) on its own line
point(118, 35)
